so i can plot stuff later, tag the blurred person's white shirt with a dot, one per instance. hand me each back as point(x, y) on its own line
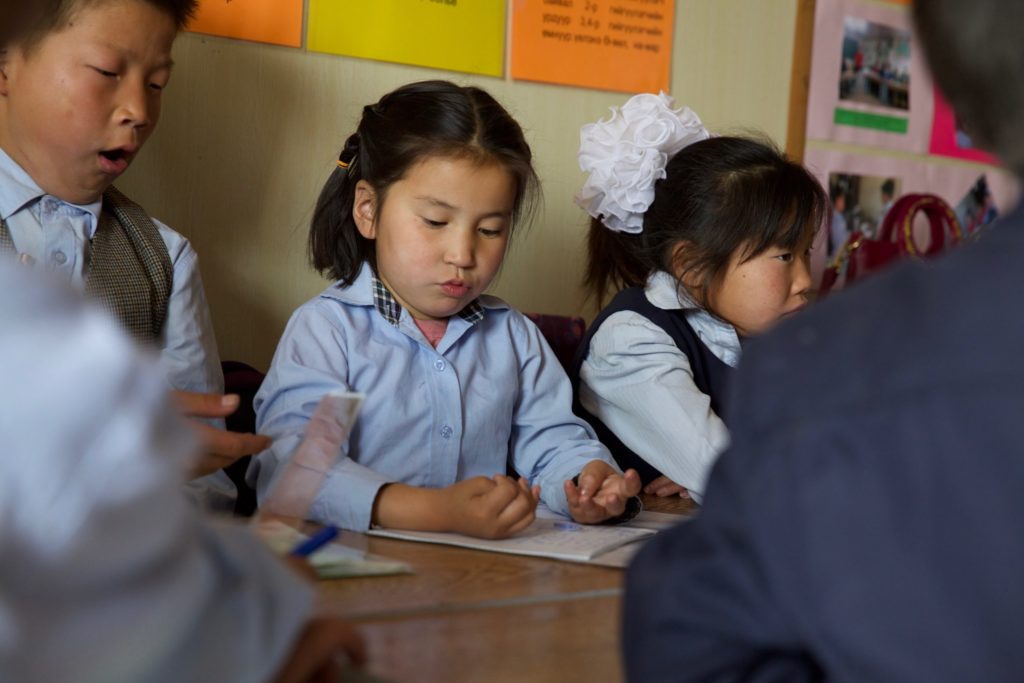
point(107, 573)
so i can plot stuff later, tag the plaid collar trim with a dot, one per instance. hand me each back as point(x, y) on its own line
point(473, 312)
point(386, 304)
point(391, 310)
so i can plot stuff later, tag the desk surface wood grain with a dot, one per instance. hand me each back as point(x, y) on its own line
point(566, 640)
point(470, 615)
point(448, 578)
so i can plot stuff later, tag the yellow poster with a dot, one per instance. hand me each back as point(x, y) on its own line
point(265, 21)
point(457, 35)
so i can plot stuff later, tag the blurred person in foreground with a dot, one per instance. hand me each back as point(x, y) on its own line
point(866, 522)
point(109, 574)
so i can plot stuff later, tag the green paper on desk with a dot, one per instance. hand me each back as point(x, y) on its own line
point(333, 561)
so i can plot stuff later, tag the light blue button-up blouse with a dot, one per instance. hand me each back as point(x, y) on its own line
point(491, 393)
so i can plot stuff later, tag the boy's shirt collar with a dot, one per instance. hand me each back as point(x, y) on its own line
point(18, 190)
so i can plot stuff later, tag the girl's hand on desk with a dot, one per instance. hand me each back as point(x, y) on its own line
point(315, 655)
point(491, 508)
point(602, 492)
point(485, 507)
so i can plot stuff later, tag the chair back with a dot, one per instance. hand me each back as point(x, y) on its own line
point(563, 334)
point(244, 380)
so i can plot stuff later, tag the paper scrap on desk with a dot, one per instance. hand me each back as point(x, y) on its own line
point(556, 538)
point(333, 561)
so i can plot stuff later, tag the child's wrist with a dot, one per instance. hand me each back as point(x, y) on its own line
point(446, 505)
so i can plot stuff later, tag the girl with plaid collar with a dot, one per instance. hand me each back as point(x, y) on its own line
point(459, 388)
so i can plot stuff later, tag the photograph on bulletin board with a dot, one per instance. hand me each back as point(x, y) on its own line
point(875, 67)
point(977, 208)
point(264, 21)
point(859, 204)
point(619, 45)
point(861, 180)
point(869, 84)
point(440, 34)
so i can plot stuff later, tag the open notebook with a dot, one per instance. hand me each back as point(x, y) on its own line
point(550, 535)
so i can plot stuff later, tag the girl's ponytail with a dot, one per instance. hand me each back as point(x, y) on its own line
point(614, 261)
point(336, 247)
point(625, 156)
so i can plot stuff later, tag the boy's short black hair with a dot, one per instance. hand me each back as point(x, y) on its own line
point(48, 16)
point(17, 17)
point(974, 49)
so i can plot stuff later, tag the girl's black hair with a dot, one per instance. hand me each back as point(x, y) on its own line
point(719, 195)
point(408, 125)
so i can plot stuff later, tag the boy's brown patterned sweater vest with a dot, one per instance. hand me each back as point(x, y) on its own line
point(130, 271)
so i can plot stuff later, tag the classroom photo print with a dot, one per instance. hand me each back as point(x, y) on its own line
point(859, 203)
point(875, 64)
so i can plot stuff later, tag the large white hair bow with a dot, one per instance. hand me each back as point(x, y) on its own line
point(627, 153)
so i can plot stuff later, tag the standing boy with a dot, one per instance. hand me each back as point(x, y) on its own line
point(80, 90)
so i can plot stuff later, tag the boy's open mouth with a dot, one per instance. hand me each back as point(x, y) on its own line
point(114, 154)
point(115, 161)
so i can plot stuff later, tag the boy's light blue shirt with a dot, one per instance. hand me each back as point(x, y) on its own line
point(56, 235)
point(492, 392)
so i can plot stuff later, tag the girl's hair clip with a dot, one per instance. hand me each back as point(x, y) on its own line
point(347, 165)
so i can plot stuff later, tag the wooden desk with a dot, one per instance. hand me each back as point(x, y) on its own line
point(553, 641)
point(469, 615)
point(449, 579)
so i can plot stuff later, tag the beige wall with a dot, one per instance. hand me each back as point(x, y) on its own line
point(250, 132)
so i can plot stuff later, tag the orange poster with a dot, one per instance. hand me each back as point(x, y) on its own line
point(623, 45)
point(265, 21)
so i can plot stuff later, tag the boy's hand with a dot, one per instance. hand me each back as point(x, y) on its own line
point(664, 487)
point(491, 508)
point(316, 652)
point(220, 447)
point(602, 492)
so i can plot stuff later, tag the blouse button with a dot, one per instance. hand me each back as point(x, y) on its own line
point(446, 432)
point(439, 365)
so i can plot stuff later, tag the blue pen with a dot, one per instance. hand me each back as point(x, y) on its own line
point(314, 542)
